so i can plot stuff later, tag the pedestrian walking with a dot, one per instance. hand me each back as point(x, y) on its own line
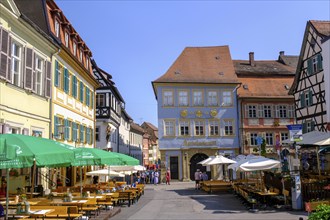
point(197, 178)
point(168, 176)
point(156, 176)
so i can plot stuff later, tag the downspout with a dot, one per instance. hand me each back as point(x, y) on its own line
point(238, 114)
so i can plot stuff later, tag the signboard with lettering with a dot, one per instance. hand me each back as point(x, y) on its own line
point(295, 132)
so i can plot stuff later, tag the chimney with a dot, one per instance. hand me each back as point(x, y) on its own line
point(281, 53)
point(251, 59)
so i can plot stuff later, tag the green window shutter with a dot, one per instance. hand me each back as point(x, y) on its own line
point(310, 66)
point(66, 80)
point(81, 133)
point(313, 126)
point(74, 131)
point(56, 74)
point(87, 96)
point(75, 89)
point(66, 129)
point(310, 96)
point(81, 92)
point(302, 100)
point(72, 85)
point(55, 127)
point(92, 100)
point(92, 136)
point(88, 135)
point(319, 62)
point(304, 128)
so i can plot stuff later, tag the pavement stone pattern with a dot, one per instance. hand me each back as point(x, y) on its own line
point(180, 200)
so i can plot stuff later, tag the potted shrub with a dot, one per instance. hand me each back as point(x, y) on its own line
point(322, 213)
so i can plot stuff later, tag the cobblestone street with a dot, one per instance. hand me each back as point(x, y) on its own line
point(181, 201)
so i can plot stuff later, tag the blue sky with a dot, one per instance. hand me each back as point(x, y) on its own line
point(137, 41)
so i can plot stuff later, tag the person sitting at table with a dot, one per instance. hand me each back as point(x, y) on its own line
point(134, 184)
point(3, 189)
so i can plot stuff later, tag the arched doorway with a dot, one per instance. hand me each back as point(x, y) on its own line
point(194, 164)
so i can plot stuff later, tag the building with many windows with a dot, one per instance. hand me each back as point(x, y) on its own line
point(309, 88)
point(124, 133)
point(109, 103)
point(264, 103)
point(74, 87)
point(151, 152)
point(136, 142)
point(25, 78)
point(197, 110)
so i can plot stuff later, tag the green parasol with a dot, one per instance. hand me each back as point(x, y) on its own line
point(22, 151)
point(127, 160)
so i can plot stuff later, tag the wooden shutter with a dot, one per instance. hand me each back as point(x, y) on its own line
point(313, 125)
point(28, 74)
point(92, 136)
point(66, 80)
point(5, 55)
point(87, 96)
point(56, 73)
point(248, 138)
point(81, 133)
point(319, 62)
point(56, 127)
point(310, 66)
point(260, 111)
point(302, 100)
point(74, 131)
point(92, 100)
point(48, 79)
point(304, 127)
point(25, 131)
point(310, 96)
point(246, 107)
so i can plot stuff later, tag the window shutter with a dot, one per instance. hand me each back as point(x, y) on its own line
point(304, 127)
point(260, 111)
point(66, 80)
point(302, 100)
point(92, 100)
point(310, 66)
point(248, 138)
point(81, 92)
point(88, 135)
point(310, 96)
point(56, 74)
point(246, 111)
point(5, 55)
point(66, 131)
point(81, 133)
point(48, 79)
point(72, 85)
point(92, 136)
point(55, 127)
point(25, 131)
point(313, 126)
point(319, 62)
point(28, 77)
point(87, 96)
point(277, 111)
point(74, 131)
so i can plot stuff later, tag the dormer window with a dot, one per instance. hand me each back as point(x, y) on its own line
point(74, 48)
point(57, 28)
point(80, 54)
point(66, 39)
point(87, 62)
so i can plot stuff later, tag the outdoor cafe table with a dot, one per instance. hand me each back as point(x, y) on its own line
point(78, 203)
point(13, 203)
point(34, 213)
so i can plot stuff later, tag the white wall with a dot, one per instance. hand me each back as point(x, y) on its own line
point(326, 71)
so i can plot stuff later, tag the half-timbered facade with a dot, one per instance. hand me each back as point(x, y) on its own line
point(150, 147)
point(109, 103)
point(265, 106)
point(309, 88)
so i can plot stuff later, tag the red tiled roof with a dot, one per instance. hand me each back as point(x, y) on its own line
point(265, 87)
point(323, 27)
point(201, 65)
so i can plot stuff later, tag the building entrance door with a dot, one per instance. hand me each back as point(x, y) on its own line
point(174, 167)
point(194, 164)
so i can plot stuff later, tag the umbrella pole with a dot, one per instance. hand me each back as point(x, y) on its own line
point(7, 193)
point(318, 160)
point(33, 178)
point(81, 181)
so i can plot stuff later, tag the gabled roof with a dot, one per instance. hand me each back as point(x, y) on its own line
point(263, 68)
point(201, 65)
point(265, 87)
point(153, 127)
point(137, 128)
point(322, 27)
point(289, 60)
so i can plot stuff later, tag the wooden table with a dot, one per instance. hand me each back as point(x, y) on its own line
point(34, 213)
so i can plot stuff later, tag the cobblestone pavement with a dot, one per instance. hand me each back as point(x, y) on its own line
point(180, 200)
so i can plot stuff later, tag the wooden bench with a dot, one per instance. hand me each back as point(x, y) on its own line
point(212, 186)
point(91, 206)
point(125, 196)
point(66, 212)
